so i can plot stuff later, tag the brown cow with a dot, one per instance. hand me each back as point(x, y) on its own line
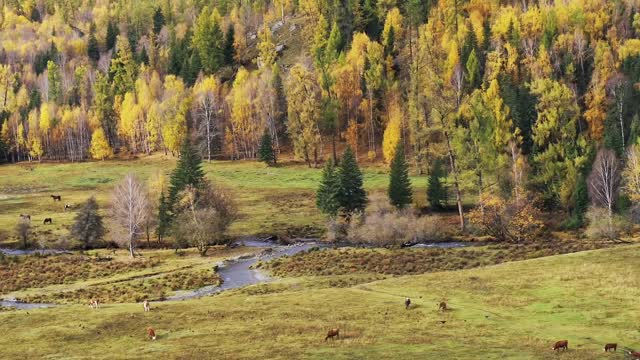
point(151, 333)
point(634, 355)
point(56, 197)
point(331, 333)
point(561, 345)
point(407, 303)
point(48, 221)
point(442, 306)
point(612, 347)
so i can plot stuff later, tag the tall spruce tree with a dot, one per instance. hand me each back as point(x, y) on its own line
point(265, 152)
point(229, 49)
point(93, 50)
point(188, 171)
point(436, 193)
point(351, 196)
point(328, 191)
point(164, 218)
point(158, 20)
point(112, 35)
point(399, 184)
point(87, 227)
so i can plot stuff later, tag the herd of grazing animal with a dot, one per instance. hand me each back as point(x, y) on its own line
point(48, 221)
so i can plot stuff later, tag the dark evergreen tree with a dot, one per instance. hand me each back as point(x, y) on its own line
point(229, 49)
point(351, 197)
point(143, 57)
point(580, 202)
point(265, 152)
point(328, 191)
point(436, 193)
point(188, 171)
point(112, 35)
point(93, 50)
point(399, 183)
point(158, 20)
point(370, 20)
point(87, 227)
point(164, 217)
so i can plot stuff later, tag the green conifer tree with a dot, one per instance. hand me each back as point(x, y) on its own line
point(188, 171)
point(436, 193)
point(229, 49)
point(351, 196)
point(164, 218)
point(399, 184)
point(265, 152)
point(93, 50)
point(87, 226)
point(328, 191)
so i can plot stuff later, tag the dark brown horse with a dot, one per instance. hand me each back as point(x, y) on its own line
point(48, 221)
point(612, 347)
point(56, 197)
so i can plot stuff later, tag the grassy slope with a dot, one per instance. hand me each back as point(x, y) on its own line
point(589, 298)
point(271, 200)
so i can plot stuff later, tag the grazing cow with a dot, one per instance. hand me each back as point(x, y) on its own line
point(332, 333)
point(56, 197)
point(146, 306)
point(48, 221)
point(633, 355)
point(407, 303)
point(561, 345)
point(25, 217)
point(67, 206)
point(442, 306)
point(612, 347)
point(94, 304)
point(151, 333)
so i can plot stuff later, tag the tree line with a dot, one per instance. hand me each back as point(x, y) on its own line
point(488, 98)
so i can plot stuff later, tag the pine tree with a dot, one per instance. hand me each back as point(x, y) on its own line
point(188, 171)
point(158, 20)
point(112, 35)
point(266, 153)
point(328, 191)
point(87, 227)
point(229, 48)
point(54, 77)
point(436, 193)
point(351, 196)
point(93, 51)
point(399, 183)
point(164, 218)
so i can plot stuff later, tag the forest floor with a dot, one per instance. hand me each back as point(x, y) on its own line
point(515, 310)
point(271, 200)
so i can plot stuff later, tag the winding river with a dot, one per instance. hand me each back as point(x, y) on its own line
point(235, 273)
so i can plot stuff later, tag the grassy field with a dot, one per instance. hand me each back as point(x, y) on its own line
point(514, 310)
point(276, 200)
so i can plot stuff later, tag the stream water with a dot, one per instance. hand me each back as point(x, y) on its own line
point(235, 273)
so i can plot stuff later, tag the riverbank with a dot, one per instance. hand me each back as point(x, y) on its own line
point(514, 310)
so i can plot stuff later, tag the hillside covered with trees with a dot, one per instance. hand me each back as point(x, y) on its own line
point(493, 100)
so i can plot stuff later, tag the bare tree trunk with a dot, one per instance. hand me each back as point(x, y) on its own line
point(456, 185)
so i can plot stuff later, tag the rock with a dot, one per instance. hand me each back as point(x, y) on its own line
point(252, 36)
point(279, 48)
point(293, 28)
point(275, 27)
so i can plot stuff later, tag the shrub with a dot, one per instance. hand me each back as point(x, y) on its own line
point(382, 225)
point(601, 227)
point(507, 220)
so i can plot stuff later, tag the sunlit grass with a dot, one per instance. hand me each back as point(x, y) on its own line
point(514, 310)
